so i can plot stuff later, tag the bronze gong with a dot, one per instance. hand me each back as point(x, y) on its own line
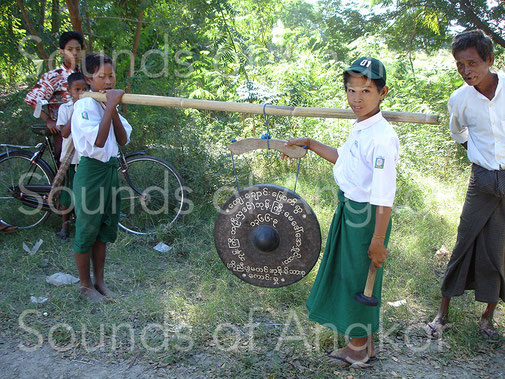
point(267, 236)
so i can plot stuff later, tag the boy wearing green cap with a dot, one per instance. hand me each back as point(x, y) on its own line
point(365, 171)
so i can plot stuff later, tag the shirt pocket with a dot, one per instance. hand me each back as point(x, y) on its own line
point(353, 157)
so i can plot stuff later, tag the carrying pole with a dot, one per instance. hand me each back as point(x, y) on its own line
point(249, 108)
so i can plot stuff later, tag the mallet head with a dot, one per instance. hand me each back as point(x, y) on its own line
point(371, 301)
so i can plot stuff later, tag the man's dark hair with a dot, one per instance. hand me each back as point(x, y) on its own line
point(75, 77)
point(94, 61)
point(379, 83)
point(473, 38)
point(68, 36)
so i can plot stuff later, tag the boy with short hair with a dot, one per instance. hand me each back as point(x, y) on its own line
point(77, 85)
point(477, 122)
point(53, 86)
point(97, 130)
point(365, 170)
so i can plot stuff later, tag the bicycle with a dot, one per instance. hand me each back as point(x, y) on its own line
point(151, 190)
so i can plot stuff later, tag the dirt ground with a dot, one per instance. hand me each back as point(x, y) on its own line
point(47, 363)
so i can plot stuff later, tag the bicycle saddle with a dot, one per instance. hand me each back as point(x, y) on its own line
point(40, 130)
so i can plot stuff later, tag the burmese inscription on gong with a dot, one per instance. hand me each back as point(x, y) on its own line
point(268, 236)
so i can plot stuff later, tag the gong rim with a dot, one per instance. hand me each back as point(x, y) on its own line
point(256, 259)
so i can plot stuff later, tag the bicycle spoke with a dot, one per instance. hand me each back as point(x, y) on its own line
point(157, 206)
point(18, 173)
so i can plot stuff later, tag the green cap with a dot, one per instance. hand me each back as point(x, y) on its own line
point(370, 67)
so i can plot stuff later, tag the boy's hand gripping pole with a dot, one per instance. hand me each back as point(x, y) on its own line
point(366, 298)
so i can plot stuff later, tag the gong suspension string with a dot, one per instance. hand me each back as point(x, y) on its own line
point(234, 169)
point(298, 169)
point(267, 134)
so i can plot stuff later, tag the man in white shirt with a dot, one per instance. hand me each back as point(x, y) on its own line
point(477, 122)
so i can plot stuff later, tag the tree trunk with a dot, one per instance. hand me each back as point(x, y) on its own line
point(88, 27)
point(43, 12)
point(55, 17)
point(75, 17)
point(136, 42)
point(472, 17)
point(31, 29)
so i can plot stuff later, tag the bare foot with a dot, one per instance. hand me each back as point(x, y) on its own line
point(105, 291)
point(63, 233)
point(487, 328)
point(91, 294)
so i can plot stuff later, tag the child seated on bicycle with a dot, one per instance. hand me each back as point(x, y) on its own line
point(77, 85)
point(97, 130)
point(53, 87)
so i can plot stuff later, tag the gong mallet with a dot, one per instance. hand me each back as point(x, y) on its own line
point(366, 297)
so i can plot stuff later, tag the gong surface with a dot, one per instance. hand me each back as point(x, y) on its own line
point(268, 236)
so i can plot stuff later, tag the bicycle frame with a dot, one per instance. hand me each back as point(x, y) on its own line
point(123, 167)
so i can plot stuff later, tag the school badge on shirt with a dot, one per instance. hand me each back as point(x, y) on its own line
point(84, 115)
point(379, 162)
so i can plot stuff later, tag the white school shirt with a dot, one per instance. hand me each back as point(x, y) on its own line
point(366, 166)
point(481, 122)
point(86, 120)
point(64, 114)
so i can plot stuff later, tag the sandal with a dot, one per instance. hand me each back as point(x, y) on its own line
point(487, 329)
point(435, 328)
point(7, 228)
point(344, 361)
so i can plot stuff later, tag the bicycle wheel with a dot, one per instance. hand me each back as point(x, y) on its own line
point(152, 195)
point(23, 186)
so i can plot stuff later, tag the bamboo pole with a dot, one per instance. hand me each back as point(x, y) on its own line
point(274, 110)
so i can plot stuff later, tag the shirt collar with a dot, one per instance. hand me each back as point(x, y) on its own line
point(368, 122)
point(499, 87)
point(68, 69)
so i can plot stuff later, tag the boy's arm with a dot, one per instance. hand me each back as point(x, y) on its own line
point(324, 151)
point(377, 251)
point(50, 123)
point(113, 98)
point(43, 90)
point(66, 129)
point(119, 129)
point(384, 159)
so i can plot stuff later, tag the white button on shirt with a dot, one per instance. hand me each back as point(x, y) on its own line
point(480, 122)
point(64, 114)
point(366, 166)
point(88, 114)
